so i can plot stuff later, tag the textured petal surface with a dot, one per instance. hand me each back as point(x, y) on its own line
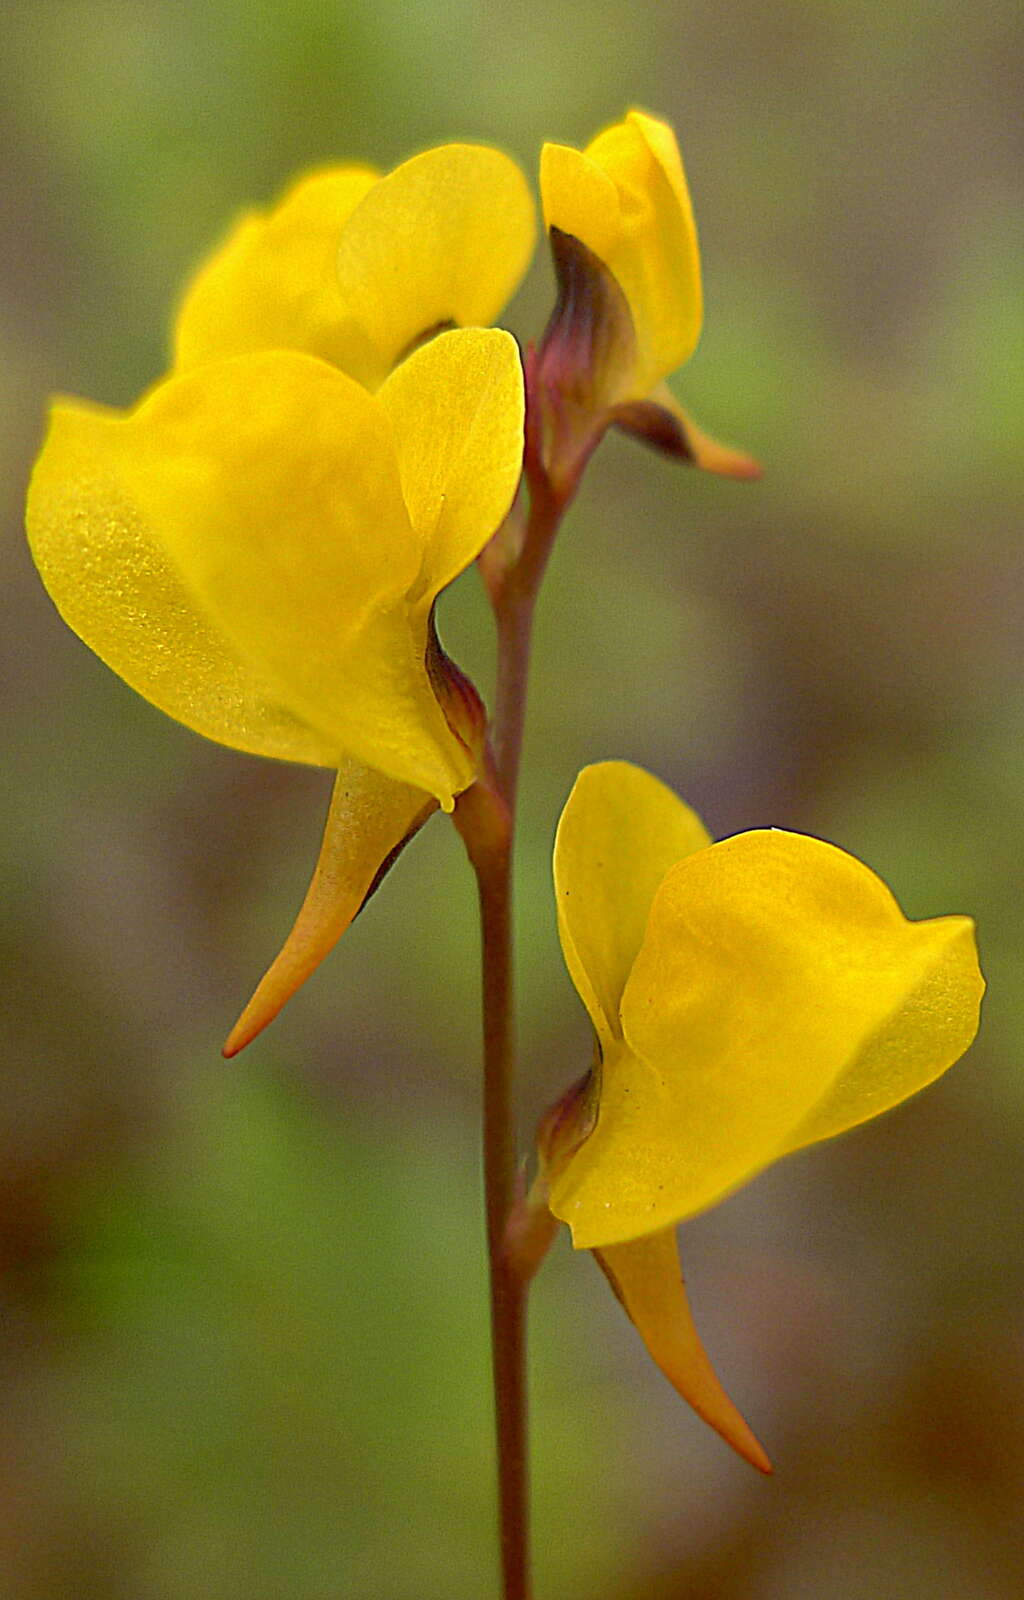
point(779, 996)
point(371, 817)
point(646, 1277)
point(271, 484)
point(273, 283)
point(274, 481)
point(444, 239)
point(115, 585)
point(620, 832)
point(626, 198)
point(456, 405)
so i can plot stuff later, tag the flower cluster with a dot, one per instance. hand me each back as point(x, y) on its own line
point(258, 547)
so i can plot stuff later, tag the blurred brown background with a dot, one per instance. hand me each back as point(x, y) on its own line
point(243, 1306)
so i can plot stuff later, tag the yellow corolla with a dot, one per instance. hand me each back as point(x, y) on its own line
point(358, 268)
point(258, 546)
point(749, 997)
point(257, 549)
point(625, 250)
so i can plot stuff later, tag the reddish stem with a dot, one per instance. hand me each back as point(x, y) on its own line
point(485, 816)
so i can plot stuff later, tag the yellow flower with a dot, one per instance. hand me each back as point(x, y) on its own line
point(749, 997)
point(358, 269)
point(257, 549)
point(630, 302)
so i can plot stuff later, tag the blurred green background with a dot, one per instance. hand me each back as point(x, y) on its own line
point(243, 1306)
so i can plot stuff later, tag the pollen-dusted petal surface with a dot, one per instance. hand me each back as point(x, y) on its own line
point(626, 198)
point(647, 1279)
point(456, 405)
point(273, 284)
point(620, 832)
point(274, 481)
point(116, 587)
point(778, 996)
point(371, 817)
point(270, 482)
point(443, 239)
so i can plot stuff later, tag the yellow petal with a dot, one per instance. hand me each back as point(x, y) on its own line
point(619, 834)
point(626, 198)
point(444, 239)
point(778, 996)
point(923, 1035)
point(114, 584)
point(581, 200)
point(646, 1277)
point(370, 819)
point(270, 481)
point(456, 405)
point(273, 283)
point(660, 265)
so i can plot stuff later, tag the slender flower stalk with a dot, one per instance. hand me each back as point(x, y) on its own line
point(485, 822)
point(513, 567)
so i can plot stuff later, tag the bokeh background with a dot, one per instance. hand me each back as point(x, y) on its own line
point(244, 1344)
